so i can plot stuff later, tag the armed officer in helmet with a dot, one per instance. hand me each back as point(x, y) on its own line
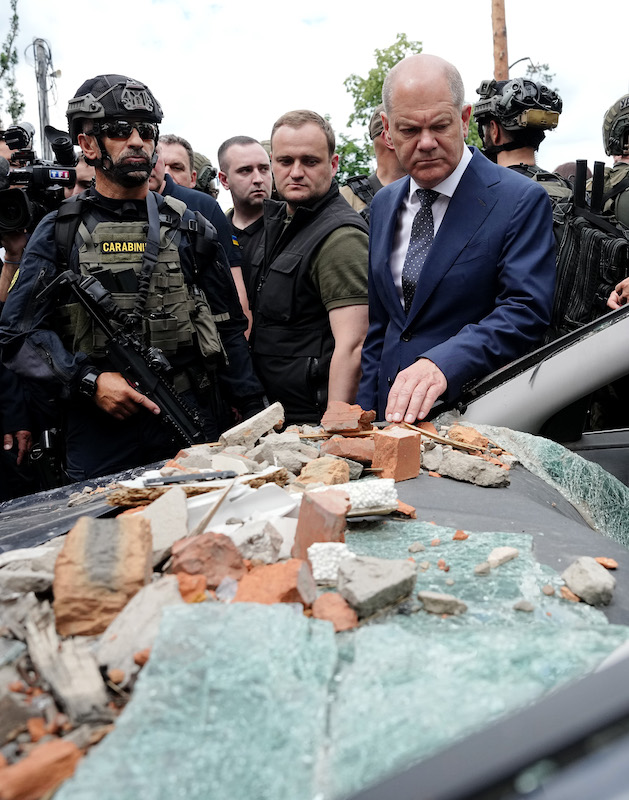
point(166, 288)
point(616, 179)
point(513, 117)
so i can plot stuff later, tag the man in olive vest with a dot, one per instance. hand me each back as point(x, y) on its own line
point(153, 263)
point(310, 304)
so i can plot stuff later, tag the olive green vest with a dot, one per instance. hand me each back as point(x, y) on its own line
point(113, 252)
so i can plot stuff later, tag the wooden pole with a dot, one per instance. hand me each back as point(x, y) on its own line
point(499, 26)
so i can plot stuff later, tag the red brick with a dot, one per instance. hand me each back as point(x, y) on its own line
point(460, 536)
point(357, 449)
point(428, 427)
point(103, 563)
point(469, 436)
point(36, 728)
point(342, 418)
point(335, 609)
point(211, 554)
point(142, 656)
point(47, 766)
point(191, 587)
point(406, 509)
point(321, 519)
point(397, 453)
point(286, 582)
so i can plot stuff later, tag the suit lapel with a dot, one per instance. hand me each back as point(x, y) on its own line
point(468, 209)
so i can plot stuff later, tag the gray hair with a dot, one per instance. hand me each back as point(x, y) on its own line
point(170, 138)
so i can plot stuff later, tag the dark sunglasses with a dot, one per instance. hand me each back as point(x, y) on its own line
point(121, 129)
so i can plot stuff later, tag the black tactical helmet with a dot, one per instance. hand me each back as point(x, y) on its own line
point(518, 103)
point(111, 97)
point(616, 128)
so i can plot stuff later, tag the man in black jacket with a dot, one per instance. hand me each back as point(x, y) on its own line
point(310, 303)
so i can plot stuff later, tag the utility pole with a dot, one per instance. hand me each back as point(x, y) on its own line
point(43, 62)
point(499, 26)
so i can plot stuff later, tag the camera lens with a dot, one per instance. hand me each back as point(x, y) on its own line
point(15, 210)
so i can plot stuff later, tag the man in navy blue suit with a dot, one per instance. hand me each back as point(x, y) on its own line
point(469, 287)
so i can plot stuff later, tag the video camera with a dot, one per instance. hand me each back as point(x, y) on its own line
point(38, 185)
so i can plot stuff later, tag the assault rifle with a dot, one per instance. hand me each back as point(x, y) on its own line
point(146, 369)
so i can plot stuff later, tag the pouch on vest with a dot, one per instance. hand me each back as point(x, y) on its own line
point(204, 323)
point(275, 292)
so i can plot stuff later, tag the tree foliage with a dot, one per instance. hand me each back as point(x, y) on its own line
point(356, 155)
point(540, 73)
point(367, 92)
point(14, 102)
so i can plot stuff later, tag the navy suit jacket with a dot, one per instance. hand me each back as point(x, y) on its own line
point(485, 293)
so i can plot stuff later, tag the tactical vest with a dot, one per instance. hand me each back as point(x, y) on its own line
point(174, 316)
point(616, 192)
point(559, 190)
point(364, 188)
point(291, 339)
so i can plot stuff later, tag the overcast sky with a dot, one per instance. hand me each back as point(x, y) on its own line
point(226, 68)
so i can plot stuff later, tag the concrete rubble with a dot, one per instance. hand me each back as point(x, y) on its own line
point(441, 603)
point(84, 609)
point(590, 581)
point(501, 555)
point(370, 584)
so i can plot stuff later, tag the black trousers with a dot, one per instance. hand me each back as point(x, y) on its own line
point(97, 444)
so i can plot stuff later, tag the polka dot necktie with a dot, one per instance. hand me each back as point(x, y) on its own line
point(422, 234)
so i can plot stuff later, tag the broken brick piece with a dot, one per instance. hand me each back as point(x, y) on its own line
point(608, 563)
point(335, 609)
point(142, 656)
point(406, 509)
point(285, 582)
point(326, 470)
point(211, 554)
point(45, 768)
point(428, 427)
point(434, 474)
point(567, 594)
point(469, 436)
point(356, 449)
point(397, 453)
point(342, 417)
point(36, 728)
point(191, 587)
point(321, 519)
point(460, 536)
point(103, 564)
point(441, 564)
point(435, 542)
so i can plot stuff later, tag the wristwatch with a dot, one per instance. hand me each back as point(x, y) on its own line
point(87, 386)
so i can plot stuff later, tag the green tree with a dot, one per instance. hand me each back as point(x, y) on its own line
point(356, 155)
point(367, 92)
point(14, 102)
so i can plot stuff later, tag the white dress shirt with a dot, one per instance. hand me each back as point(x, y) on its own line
point(410, 207)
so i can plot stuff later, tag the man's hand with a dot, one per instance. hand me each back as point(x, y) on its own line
point(620, 295)
point(414, 391)
point(14, 243)
point(24, 441)
point(116, 397)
